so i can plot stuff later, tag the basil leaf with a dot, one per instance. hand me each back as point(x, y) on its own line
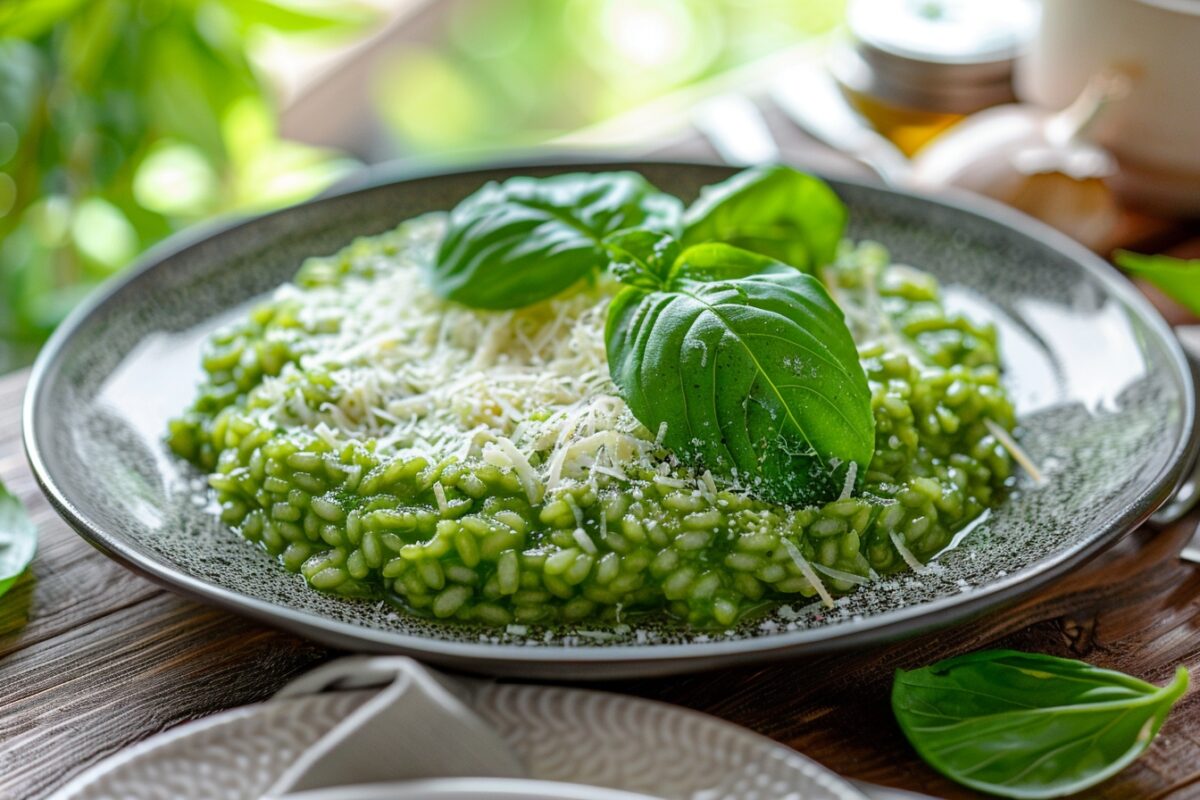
point(642, 258)
point(514, 243)
point(722, 262)
point(654, 260)
point(755, 378)
point(1176, 277)
point(1029, 726)
point(18, 539)
point(774, 210)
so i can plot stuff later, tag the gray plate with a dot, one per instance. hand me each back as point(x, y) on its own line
point(1103, 394)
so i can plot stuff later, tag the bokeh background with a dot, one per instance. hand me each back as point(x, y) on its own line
point(122, 121)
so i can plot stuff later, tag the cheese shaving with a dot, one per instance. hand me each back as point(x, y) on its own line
point(809, 573)
point(584, 541)
point(1015, 450)
point(840, 575)
point(913, 562)
point(848, 484)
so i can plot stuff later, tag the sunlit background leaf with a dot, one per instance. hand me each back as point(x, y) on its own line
point(122, 122)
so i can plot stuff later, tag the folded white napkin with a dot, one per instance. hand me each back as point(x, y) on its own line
point(376, 728)
point(416, 727)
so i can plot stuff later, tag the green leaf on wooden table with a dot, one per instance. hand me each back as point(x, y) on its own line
point(1025, 725)
point(755, 378)
point(775, 211)
point(511, 244)
point(1178, 278)
point(18, 539)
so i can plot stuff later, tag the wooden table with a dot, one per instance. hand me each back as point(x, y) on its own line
point(94, 658)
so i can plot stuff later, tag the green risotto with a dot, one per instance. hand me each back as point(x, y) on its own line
point(480, 465)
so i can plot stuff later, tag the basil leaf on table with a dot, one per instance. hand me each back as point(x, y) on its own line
point(18, 539)
point(511, 244)
point(1178, 278)
point(1029, 726)
point(775, 211)
point(756, 378)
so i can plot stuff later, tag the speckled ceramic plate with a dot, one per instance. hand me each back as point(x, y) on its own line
point(592, 739)
point(1102, 390)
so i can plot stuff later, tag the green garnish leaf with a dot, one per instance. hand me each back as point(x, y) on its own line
point(723, 262)
point(642, 258)
point(1178, 278)
point(776, 211)
point(1029, 726)
point(655, 260)
point(511, 244)
point(718, 336)
point(18, 539)
point(755, 378)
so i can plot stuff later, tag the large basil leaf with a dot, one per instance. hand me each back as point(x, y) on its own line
point(18, 539)
point(1029, 726)
point(514, 243)
point(773, 210)
point(755, 378)
point(1176, 277)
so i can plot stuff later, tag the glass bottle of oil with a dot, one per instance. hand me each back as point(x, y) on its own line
point(916, 67)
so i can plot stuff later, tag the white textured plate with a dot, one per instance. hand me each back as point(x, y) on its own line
point(469, 789)
point(561, 734)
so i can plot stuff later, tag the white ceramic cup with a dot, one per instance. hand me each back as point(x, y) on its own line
point(1155, 131)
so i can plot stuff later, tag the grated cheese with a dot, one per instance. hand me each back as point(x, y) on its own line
point(841, 575)
point(1015, 450)
point(809, 573)
point(848, 484)
point(584, 541)
point(418, 374)
point(913, 562)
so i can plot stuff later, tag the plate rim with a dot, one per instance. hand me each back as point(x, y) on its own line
point(623, 659)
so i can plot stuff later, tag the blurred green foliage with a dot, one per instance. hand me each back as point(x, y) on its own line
point(511, 73)
point(124, 120)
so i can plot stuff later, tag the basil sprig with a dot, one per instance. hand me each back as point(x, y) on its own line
point(745, 360)
point(1178, 278)
point(652, 260)
point(754, 375)
point(18, 539)
point(514, 243)
point(1024, 725)
point(772, 210)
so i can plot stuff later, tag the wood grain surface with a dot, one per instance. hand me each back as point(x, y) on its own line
point(94, 658)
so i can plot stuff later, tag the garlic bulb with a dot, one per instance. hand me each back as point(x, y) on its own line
point(1033, 159)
